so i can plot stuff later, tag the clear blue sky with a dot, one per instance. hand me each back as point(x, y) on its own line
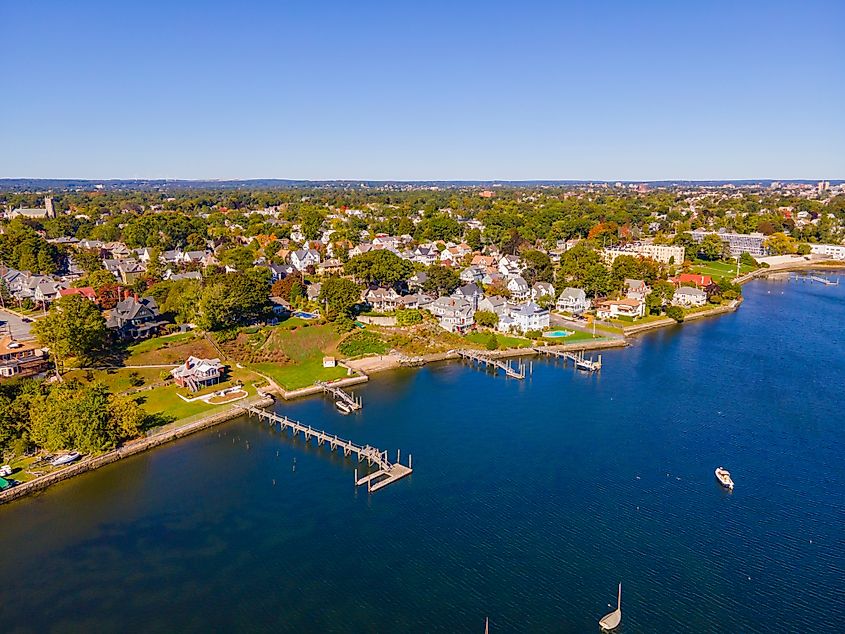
point(422, 90)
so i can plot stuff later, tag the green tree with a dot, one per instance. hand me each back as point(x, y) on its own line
point(473, 239)
point(486, 318)
point(408, 317)
point(780, 244)
point(100, 279)
point(74, 327)
point(383, 267)
point(339, 296)
point(492, 342)
point(441, 280)
point(712, 247)
point(676, 313)
point(538, 267)
point(803, 249)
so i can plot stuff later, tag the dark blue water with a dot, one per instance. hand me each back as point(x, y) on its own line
point(529, 501)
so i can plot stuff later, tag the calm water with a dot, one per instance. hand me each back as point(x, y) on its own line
point(529, 501)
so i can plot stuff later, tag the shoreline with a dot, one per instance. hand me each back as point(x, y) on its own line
point(373, 365)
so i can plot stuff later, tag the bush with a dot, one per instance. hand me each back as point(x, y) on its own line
point(165, 375)
point(362, 342)
point(533, 334)
point(676, 313)
point(747, 259)
point(715, 298)
point(492, 342)
point(408, 317)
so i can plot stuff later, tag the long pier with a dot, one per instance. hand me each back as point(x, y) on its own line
point(578, 358)
point(341, 395)
point(490, 362)
point(386, 473)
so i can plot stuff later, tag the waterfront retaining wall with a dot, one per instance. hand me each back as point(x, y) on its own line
point(129, 449)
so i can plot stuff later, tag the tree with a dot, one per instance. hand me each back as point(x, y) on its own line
point(73, 327)
point(746, 259)
point(712, 247)
point(441, 280)
point(538, 267)
point(339, 295)
point(780, 244)
point(803, 249)
point(286, 286)
point(99, 280)
point(88, 260)
point(486, 318)
point(473, 239)
point(383, 268)
point(676, 313)
point(492, 342)
point(497, 289)
point(239, 258)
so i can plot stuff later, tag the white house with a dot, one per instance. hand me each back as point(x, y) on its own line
point(573, 300)
point(472, 293)
point(519, 289)
point(636, 289)
point(509, 266)
point(689, 296)
point(541, 290)
point(613, 308)
point(304, 258)
point(529, 316)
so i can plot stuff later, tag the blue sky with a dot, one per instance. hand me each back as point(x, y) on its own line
point(422, 90)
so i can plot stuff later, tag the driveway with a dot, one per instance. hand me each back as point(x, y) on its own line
point(14, 325)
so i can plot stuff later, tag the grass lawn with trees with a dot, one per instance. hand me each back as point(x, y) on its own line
point(719, 269)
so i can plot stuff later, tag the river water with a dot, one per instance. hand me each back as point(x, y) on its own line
point(529, 501)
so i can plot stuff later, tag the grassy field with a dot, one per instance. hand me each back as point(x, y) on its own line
point(173, 349)
point(505, 341)
point(576, 336)
point(118, 380)
point(719, 269)
point(305, 347)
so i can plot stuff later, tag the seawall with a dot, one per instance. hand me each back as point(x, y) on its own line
point(129, 449)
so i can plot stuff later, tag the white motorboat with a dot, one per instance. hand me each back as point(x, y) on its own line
point(343, 407)
point(724, 478)
point(66, 458)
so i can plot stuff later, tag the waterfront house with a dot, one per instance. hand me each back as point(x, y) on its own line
point(691, 279)
point(382, 299)
point(573, 300)
point(196, 374)
point(627, 307)
point(689, 296)
point(455, 314)
point(21, 358)
point(529, 316)
point(134, 318)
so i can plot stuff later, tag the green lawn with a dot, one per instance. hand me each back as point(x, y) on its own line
point(505, 341)
point(118, 380)
point(719, 269)
point(305, 347)
point(578, 335)
point(165, 402)
point(156, 343)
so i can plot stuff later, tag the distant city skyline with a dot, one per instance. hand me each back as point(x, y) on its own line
point(464, 91)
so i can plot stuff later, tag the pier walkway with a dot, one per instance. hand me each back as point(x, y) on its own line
point(578, 358)
point(386, 473)
point(341, 395)
point(488, 361)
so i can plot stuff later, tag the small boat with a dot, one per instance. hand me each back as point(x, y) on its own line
point(343, 407)
point(724, 478)
point(66, 458)
point(611, 621)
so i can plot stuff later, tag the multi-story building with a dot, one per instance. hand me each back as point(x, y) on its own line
point(738, 243)
point(832, 251)
point(665, 253)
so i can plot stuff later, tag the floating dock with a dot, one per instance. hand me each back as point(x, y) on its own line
point(341, 395)
point(581, 362)
point(386, 473)
point(489, 362)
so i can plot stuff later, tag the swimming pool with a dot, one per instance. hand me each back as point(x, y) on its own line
point(554, 334)
point(304, 315)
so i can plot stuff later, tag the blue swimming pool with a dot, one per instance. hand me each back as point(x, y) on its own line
point(557, 333)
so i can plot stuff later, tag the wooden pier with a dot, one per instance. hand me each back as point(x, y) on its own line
point(386, 473)
point(341, 395)
point(577, 357)
point(489, 362)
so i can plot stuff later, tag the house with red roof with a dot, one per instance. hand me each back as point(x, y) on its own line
point(687, 279)
point(86, 291)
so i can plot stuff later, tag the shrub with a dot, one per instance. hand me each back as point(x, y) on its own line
point(362, 342)
point(408, 317)
point(676, 313)
point(492, 342)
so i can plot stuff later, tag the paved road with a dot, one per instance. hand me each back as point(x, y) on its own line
point(18, 327)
